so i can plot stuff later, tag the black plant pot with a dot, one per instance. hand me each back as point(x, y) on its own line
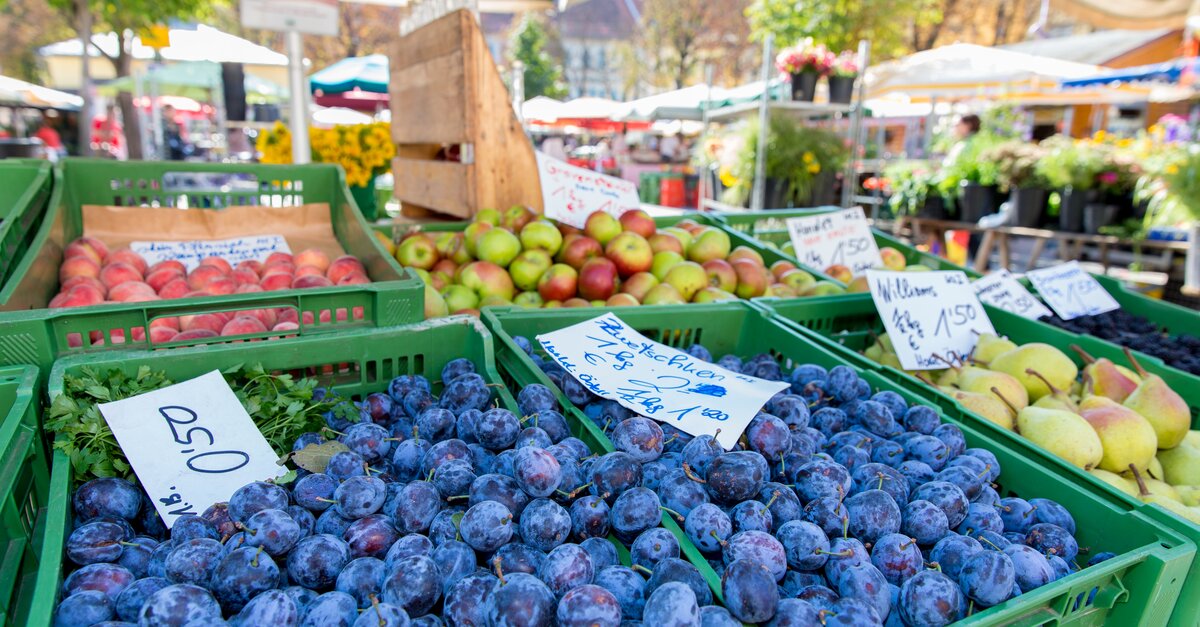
point(1098, 214)
point(824, 190)
point(776, 194)
point(841, 89)
point(976, 201)
point(1070, 209)
point(804, 86)
point(1028, 203)
point(934, 208)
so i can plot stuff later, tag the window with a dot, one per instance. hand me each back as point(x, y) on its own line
point(599, 56)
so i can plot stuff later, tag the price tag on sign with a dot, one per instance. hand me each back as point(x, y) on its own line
point(571, 194)
point(930, 316)
point(1071, 292)
point(615, 362)
point(190, 253)
point(838, 238)
point(191, 444)
point(1001, 289)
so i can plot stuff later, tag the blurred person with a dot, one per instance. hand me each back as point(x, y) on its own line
point(49, 136)
point(965, 129)
point(108, 136)
point(603, 155)
point(668, 148)
point(553, 147)
point(177, 147)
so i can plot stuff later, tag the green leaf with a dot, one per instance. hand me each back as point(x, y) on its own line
point(315, 457)
point(285, 478)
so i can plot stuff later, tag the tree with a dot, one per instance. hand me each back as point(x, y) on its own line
point(841, 24)
point(28, 25)
point(678, 36)
point(529, 45)
point(126, 18)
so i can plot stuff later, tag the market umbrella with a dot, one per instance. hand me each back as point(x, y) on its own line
point(541, 110)
point(339, 116)
point(369, 73)
point(14, 92)
point(190, 79)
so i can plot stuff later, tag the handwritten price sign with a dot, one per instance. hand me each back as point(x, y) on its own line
point(191, 444)
point(191, 253)
point(839, 238)
point(571, 194)
point(1071, 292)
point(928, 314)
point(657, 381)
point(1001, 289)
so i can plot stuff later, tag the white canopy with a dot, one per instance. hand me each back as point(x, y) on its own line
point(589, 108)
point(202, 43)
point(541, 109)
point(680, 104)
point(329, 117)
point(19, 93)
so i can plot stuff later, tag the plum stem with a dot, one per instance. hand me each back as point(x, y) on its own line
point(499, 571)
point(687, 471)
point(672, 512)
point(637, 567)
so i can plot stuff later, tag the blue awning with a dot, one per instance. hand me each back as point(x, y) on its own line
point(369, 73)
point(1168, 72)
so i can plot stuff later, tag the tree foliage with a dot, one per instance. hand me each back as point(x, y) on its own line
point(841, 24)
point(529, 45)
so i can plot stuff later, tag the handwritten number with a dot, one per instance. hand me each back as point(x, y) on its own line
point(245, 459)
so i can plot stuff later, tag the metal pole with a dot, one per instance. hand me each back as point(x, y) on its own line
point(702, 184)
point(160, 151)
point(518, 90)
point(298, 84)
point(85, 82)
point(760, 158)
point(850, 183)
point(142, 138)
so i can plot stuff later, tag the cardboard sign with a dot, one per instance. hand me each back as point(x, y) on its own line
point(930, 316)
point(191, 253)
point(1071, 292)
point(191, 444)
point(1001, 289)
point(615, 362)
point(313, 17)
point(838, 238)
point(571, 194)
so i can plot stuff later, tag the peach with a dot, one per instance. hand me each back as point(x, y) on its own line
point(218, 262)
point(78, 248)
point(199, 278)
point(196, 294)
point(127, 290)
point(141, 298)
point(267, 316)
point(160, 277)
point(273, 282)
point(302, 282)
point(248, 288)
point(168, 264)
point(212, 322)
point(274, 268)
point(220, 287)
point(57, 301)
point(78, 266)
point(286, 326)
point(254, 266)
point(342, 266)
point(243, 325)
point(286, 314)
point(194, 334)
point(175, 288)
point(309, 271)
point(159, 335)
point(354, 278)
point(245, 276)
point(124, 255)
point(277, 257)
point(82, 280)
point(100, 247)
point(170, 322)
point(324, 318)
point(312, 257)
point(116, 273)
point(83, 296)
point(138, 334)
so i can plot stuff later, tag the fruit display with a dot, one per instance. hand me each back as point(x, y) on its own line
point(520, 259)
point(893, 260)
point(1121, 327)
point(407, 507)
point(841, 501)
point(91, 274)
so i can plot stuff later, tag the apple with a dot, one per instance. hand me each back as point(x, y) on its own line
point(825, 288)
point(385, 240)
point(597, 279)
point(710, 244)
point(435, 305)
point(439, 280)
point(528, 300)
point(494, 301)
point(721, 274)
point(753, 279)
point(691, 226)
point(665, 241)
point(517, 217)
point(498, 246)
point(744, 252)
point(541, 235)
point(639, 222)
point(781, 290)
point(918, 267)
point(638, 284)
point(663, 262)
point(418, 251)
point(528, 268)
point(577, 251)
point(687, 277)
point(446, 267)
point(663, 294)
point(558, 283)
point(452, 246)
point(798, 280)
point(839, 272)
point(712, 295)
point(576, 302)
point(488, 216)
point(857, 285)
point(471, 235)
point(781, 267)
point(621, 300)
point(487, 279)
point(552, 304)
point(601, 227)
point(892, 258)
point(685, 238)
point(630, 252)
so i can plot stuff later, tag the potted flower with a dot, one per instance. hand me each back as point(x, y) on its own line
point(1070, 167)
point(842, 73)
point(804, 63)
point(972, 178)
point(914, 190)
point(1017, 174)
point(801, 167)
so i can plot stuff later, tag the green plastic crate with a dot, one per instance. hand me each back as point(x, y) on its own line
point(24, 483)
point(1139, 587)
point(25, 188)
point(847, 325)
point(31, 334)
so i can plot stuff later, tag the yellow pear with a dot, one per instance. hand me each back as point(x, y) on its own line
point(1181, 465)
point(1154, 494)
point(886, 343)
point(1056, 367)
point(1156, 468)
point(1102, 378)
point(1128, 439)
point(1003, 386)
point(1159, 404)
point(1056, 399)
point(1115, 480)
point(989, 346)
point(985, 406)
point(891, 360)
point(1193, 438)
point(1189, 494)
point(1063, 433)
point(873, 352)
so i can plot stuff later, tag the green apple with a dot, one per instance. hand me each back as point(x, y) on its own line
point(528, 300)
point(713, 243)
point(687, 277)
point(528, 267)
point(663, 262)
point(497, 246)
point(459, 297)
point(488, 216)
point(684, 237)
point(541, 235)
point(435, 305)
point(663, 294)
point(472, 233)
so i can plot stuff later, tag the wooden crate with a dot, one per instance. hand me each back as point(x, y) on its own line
point(447, 95)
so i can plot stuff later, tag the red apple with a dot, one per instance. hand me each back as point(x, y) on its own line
point(597, 279)
point(579, 250)
point(721, 274)
point(665, 241)
point(601, 227)
point(558, 283)
point(639, 284)
point(630, 252)
point(639, 222)
point(753, 279)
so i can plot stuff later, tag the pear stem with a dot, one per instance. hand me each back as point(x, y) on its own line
point(1011, 407)
point(1141, 482)
point(946, 361)
point(924, 378)
point(1034, 373)
point(1082, 353)
point(1136, 366)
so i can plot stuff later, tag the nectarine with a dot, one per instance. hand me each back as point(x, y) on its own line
point(312, 257)
point(199, 278)
point(175, 288)
point(124, 255)
point(78, 266)
point(218, 262)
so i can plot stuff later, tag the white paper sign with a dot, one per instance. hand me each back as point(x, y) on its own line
point(1001, 289)
point(1071, 292)
point(314, 17)
point(837, 238)
point(191, 444)
point(615, 362)
point(928, 314)
point(190, 253)
point(571, 194)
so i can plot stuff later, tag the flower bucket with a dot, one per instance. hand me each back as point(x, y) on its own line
point(841, 89)
point(976, 201)
point(1098, 214)
point(804, 85)
point(364, 197)
point(1070, 213)
point(1028, 204)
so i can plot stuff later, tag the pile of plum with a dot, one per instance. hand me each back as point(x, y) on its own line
point(840, 508)
point(1121, 327)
